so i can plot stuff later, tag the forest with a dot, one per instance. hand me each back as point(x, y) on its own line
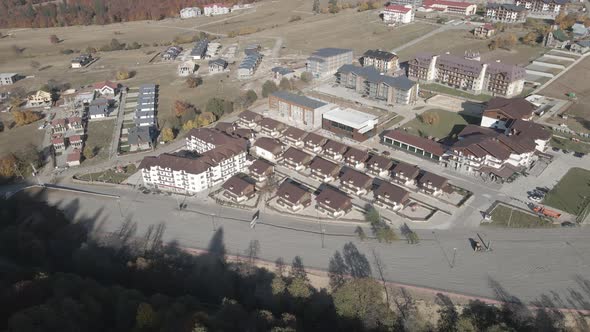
point(60, 13)
point(64, 276)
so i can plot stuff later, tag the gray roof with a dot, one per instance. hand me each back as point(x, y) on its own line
point(507, 6)
point(282, 70)
point(7, 75)
point(200, 47)
point(299, 100)
point(250, 61)
point(98, 109)
point(584, 43)
point(379, 54)
point(579, 29)
point(147, 88)
point(374, 76)
point(138, 135)
point(142, 112)
point(219, 62)
point(329, 52)
point(145, 120)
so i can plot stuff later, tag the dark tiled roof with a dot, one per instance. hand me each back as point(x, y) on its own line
point(374, 76)
point(356, 178)
point(302, 101)
point(425, 144)
point(291, 192)
point(250, 116)
point(211, 136)
point(507, 6)
point(529, 129)
point(392, 192)
point(295, 133)
point(218, 62)
point(380, 162)
point(272, 124)
point(381, 55)
point(260, 166)
point(409, 171)
point(282, 70)
point(433, 179)
point(334, 199)
point(269, 144)
point(335, 147)
point(356, 155)
point(329, 52)
point(237, 185)
point(315, 139)
point(296, 156)
point(472, 130)
point(324, 166)
point(511, 72)
point(513, 108)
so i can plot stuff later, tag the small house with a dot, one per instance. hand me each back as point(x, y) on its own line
point(324, 170)
point(238, 189)
point(140, 138)
point(356, 158)
point(334, 150)
point(98, 109)
point(106, 88)
point(379, 165)
point(484, 31)
point(249, 119)
point(296, 159)
point(405, 174)
point(187, 68)
point(432, 184)
point(314, 143)
point(278, 73)
point(294, 136)
point(73, 158)
point(58, 126)
point(272, 127)
point(333, 202)
point(292, 196)
point(391, 197)
point(261, 170)
point(217, 66)
point(268, 148)
point(355, 182)
point(76, 141)
point(40, 98)
point(58, 143)
point(75, 123)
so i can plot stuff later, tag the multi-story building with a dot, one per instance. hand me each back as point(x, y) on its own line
point(350, 123)
point(484, 31)
point(371, 83)
point(300, 110)
point(326, 61)
point(8, 78)
point(201, 140)
point(417, 145)
point(449, 7)
point(473, 76)
point(216, 9)
point(383, 61)
point(544, 8)
point(249, 65)
point(500, 112)
point(506, 13)
point(190, 12)
point(398, 14)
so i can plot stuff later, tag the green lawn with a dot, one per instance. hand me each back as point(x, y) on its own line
point(568, 144)
point(447, 124)
point(504, 216)
point(454, 92)
point(569, 194)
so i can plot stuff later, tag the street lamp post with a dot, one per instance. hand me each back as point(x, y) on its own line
point(213, 222)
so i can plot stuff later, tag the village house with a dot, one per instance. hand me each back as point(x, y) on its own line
point(383, 61)
point(324, 170)
point(268, 148)
point(278, 73)
point(506, 13)
point(355, 182)
point(432, 184)
point(272, 128)
point(356, 158)
point(379, 165)
point(187, 68)
point(199, 50)
point(58, 143)
point(398, 14)
point(314, 143)
point(171, 53)
point(371, 83)
point(217, 66)
point(58, 126)
point(556, 38)
point(98, 109)
point(484, 31)
point(190, 12)
point(249, 119)
point(40, 98)
point(449, 7)
point(215, 9)
point(326, 61)
point(333, 202)
point(334, 150)
point(500, 111)
point(293, 196)
point(261, 170)
point(106, 88)
point(9, 78)
point(579, 30)
point(75, 123)
point(81, 61)
point(468, 74)
point(417, 145)
point(76, 141)
point(350, 123)
point(405, 174)
point(391, 197)
point(140, 138)
point(543, 8)
point(299, 110)
point(296, 159)
point(248, 66)
point(294, 136)
point(73, 158)
point(238, 189)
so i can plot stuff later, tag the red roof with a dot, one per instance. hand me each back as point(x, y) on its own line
point(397, 8)
point(110, 84)
point(57, 140)
point(456, 4)
point(74, 155)
point(217, 4)
point(75, 119)
point(75, 138)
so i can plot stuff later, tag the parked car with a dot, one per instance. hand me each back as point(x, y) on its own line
point(565, 151)
point(555, 149)
point(579, 154)
point(568, 224)
point(536, 198)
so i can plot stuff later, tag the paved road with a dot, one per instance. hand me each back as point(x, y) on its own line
point(527, 263)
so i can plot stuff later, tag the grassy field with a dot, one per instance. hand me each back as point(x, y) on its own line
point(448, 123)
point(568, 144)
point(17, 138)
point(454, 92)
point(108, 176)
point(504, 216)
point(100, 135)
point(569, 194)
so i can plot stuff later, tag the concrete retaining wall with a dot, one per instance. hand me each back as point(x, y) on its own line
point(547, 64)
point(539, 73)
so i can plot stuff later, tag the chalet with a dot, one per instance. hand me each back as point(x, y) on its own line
point(187, 68)
point(76, 141)
point(356, 158)
point(296, 159)
point(379, 165)
point(278, 73)
point(261, 170)
point(390, 196)
point(58, 126)
point(268, 148)
point(238, 189)
point(314, 142)
point(334, 150)
point(293, 196)
point(171, 53)
point(249, 119)
point(484, 31)
point(405, 174)
point(501, 111)
point(59, 144)
point(272, 127)
point(106, 88)
point(324, 170)
point(333, 202)
point(217, 66)
point(294, 136)
point(432, 184)
point(73, 158)
point(355, 182)
point(417, 145)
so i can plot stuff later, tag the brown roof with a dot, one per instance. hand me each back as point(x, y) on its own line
point(243, 133)
point(297, 156)
point(425, 144)
point(380, 162)
point(409, 171)
point(291, 192)
point(294, 133)
point(74, 155)
point(335, 147)
point(58, 121)
point(357, 154)
point(57, 140)
point(392, 192)
point(272, 124)
point(334, 199)
point(75, 119)
point(315, 139)
point(324, 166)
point(356, 178)
point(271, 145)
point(214, 136)
point(250, 116)
point(260, 166)
point(434, 180)
point(471, 130)
point(529, 129)
point(227, 127)
point(237, 185)
point(110, 84)
point(512, 108)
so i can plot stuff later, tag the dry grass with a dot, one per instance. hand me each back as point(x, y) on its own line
point(18, 138)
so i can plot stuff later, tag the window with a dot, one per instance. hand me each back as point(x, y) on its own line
point(341, 126)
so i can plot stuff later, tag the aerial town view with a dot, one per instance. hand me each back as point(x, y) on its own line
point(295, 165)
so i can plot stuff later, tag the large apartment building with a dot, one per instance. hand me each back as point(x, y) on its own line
point(398, 14)
point(383, 61)
point(219, 157)
point(547, 8)
point(326, 61)
point(369, 82)
point(473, 76)
point(297, 109)
point(506, 13)
point(450, 7)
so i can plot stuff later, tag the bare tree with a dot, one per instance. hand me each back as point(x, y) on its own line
point(380, 266)
point(280, 266)
point(252, 251)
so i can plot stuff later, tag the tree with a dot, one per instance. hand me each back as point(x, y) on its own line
point(88, 152)
point(280, 266)
point(333, 6)
point(228, 107)
point(360, 232)
point(297, 269)
point(193, 82)
point(430, 118)
point(53, 39)
point(188, 125)
point(268, 87)
point(8, 166)
point(278, 285)
point(316, 6)
point(493, 44)
point(205, 119)
point(448, 315)
point(530, 38)
point(285, 84)
point(167, 134)
point(306, 77)
point(22, 118)
point(372, 215)
point(145, 317)
point(123, 74)
point(299, 288)
point(215, 106)
point(35, 65)
point(251, 97)
point(181, 108)
point(337, 271)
